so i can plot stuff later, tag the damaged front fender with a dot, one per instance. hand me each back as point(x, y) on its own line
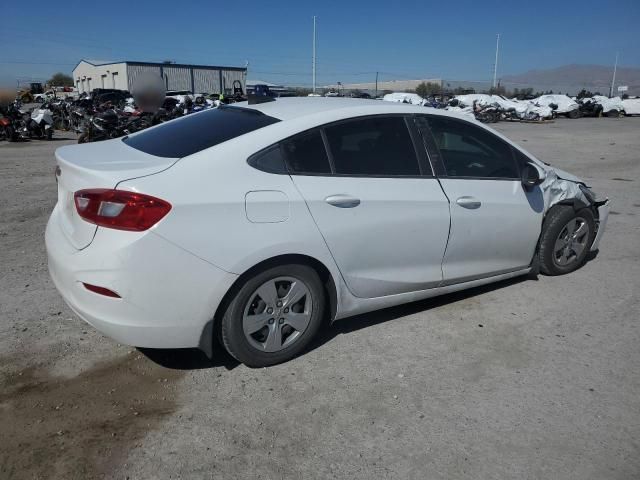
point(562, 188)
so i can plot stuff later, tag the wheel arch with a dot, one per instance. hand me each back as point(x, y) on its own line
point(212, 328)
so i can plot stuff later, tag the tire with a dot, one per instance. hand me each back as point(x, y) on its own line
point(613, 114)
point(82, 138)
point(566, 238)
point(267, 345)
point(49, 133)
point(10, 133)
point(574, 113)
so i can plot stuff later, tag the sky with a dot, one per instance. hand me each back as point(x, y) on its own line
point(401, 40)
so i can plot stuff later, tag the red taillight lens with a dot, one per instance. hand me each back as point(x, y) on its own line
point(101, 290)
point(120, 209)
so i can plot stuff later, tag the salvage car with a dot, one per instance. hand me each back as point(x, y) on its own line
point(248, 226)
point(611, 107)
point(561, 104)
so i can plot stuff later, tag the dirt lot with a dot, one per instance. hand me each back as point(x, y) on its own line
point(525, 379)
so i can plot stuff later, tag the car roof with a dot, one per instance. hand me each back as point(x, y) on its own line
point(289, 108)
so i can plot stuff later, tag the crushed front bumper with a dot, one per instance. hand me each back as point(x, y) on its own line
point(603, 216)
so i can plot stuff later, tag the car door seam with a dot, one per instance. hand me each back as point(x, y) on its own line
point(322, 236)
point(444, 254)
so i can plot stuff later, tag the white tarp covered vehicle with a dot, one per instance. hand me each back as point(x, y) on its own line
point(611, 107)
point(631, 106)
point(401, 97)
point(523, 110)
point(565, 105)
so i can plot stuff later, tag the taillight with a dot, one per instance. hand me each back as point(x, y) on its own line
point(101, 290)
point(120, 209)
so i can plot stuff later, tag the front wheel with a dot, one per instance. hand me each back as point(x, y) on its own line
point(566, 238)
point(274, 315)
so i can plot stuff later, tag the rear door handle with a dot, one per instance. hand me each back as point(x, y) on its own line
point(469, 202)
point(342, 201)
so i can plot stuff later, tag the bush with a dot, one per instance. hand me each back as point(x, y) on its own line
point(60, 80)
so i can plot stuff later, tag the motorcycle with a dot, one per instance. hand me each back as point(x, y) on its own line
point(6, 128)
point(12, 122)
point(486, 113)
point(100, 126)
point(40, 123)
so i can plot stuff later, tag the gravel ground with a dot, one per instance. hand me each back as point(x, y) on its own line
point(527, 379)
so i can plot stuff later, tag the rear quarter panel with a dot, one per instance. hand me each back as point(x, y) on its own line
point(208, 193)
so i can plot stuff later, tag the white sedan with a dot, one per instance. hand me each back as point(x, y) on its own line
point(250, 225)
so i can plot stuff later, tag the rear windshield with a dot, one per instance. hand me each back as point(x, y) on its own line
point(196, 132)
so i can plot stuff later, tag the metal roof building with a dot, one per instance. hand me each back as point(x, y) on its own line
point(90, 74)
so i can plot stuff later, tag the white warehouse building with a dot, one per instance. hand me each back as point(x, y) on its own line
point(91, 74)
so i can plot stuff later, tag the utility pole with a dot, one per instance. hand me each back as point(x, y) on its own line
point(495, 65)
point(376, 85)
point(314, 55)
point(613, 80)
point(246, 74)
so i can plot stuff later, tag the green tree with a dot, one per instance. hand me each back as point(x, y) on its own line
point(60, 80)
point(425, 89)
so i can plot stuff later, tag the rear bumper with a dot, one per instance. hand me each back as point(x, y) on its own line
point(603, 216)
point(168, 295)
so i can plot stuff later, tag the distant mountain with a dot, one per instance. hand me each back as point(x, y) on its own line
point(572, 78)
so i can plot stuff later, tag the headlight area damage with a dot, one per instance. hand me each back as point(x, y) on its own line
point(562, 188)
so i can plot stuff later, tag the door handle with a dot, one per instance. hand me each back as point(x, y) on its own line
point(469, 202)
point(342, 201)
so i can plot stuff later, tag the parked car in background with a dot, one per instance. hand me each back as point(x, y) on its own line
point(611, 107)
point(44, 96)
point(631, 106)
point(104, 95)
point(563, 104)
point(255, 223)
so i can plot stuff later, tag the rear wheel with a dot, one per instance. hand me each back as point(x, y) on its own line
point(274, 315)
point(574, 113)
point(613, 114)
point(566, 238)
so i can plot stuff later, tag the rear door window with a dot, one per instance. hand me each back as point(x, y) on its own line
point(376, 146)
point(194, 133)
point(305, 154)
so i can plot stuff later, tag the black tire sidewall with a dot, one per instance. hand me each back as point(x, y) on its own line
point(555, 221)
point(232, 333)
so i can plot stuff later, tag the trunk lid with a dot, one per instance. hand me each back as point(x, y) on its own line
point(97, 165)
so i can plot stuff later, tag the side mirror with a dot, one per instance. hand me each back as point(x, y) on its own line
point(532, 175)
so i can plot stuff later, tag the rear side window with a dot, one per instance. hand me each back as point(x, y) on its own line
point(373, 146)
point(471, 151)
point(196, 132)
point(269, 160)
point(305, 153)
